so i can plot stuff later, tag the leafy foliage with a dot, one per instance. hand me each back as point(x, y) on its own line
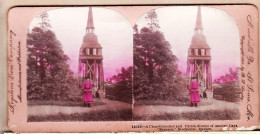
point(226, 114)
point(152, 20)
point(44, 21)
point(119, 87)
point(231, 76)
point(227, 86)
point(49, 76)
point(155, 71)
point(94, 115)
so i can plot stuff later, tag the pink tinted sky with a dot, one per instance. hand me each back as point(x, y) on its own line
point(113, 30)
point(221, 31)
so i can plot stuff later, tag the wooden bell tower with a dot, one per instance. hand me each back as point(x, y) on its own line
point(90, 56)
point(199, 59)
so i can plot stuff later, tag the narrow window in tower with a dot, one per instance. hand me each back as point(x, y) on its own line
point(94, 51)
point(196, 51)
point(202, 52)
point(86, 51)
point(199, 52)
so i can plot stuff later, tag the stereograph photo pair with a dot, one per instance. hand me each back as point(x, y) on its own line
point(133, 68)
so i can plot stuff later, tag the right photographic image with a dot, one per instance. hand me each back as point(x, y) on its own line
point(186, 65)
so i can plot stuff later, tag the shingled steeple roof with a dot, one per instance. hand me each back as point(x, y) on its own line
point(90, 24)
point(198, 22)
point(198, 39)
point(90, 39)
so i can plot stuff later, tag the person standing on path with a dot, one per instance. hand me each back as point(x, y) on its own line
point(194, 92)
point(87, 88)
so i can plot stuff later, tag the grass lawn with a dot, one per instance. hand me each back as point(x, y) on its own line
point(198, 115)
point(108, 115)
point(184, 102)
point(97, 102)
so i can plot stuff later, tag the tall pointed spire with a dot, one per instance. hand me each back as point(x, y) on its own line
point(198, 39)
point(199, 21)
point(90, 24)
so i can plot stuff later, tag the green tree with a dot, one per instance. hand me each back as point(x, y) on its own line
point(135, 29)
point(226, 87)
point(44, 21)
point(49, 76)
point(155, 71)
point(152, 20)
point(121, 85)
point(231, 76)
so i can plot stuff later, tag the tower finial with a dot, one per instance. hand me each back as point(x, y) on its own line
point(90, 24)
point(199, 21)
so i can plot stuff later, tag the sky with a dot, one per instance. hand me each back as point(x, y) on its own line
point(114, 33)
point(177, 24)
point(113, 30)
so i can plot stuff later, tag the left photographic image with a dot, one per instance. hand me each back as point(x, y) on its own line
point(79, 66)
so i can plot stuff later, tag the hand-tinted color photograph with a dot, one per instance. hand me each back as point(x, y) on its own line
point(79, 66)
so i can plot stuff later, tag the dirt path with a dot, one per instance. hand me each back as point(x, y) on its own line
point(151, 110)
point(53, 110)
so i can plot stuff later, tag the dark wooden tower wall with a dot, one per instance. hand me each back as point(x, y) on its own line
point(90, 56)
